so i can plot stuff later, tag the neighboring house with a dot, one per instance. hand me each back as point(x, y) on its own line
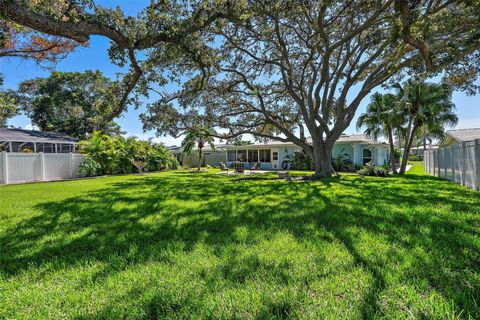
point(460, 135)
point(420, 150)
point(18, 140)
point(359, 148)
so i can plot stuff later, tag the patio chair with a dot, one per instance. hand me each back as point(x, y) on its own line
point(238, 167)
point(224, 167)
point(255, 167)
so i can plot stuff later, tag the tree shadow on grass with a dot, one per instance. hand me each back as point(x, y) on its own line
point(155, 214)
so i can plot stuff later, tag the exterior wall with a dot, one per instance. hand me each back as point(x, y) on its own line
point(381, 156)
point(29, 167)
point(358, 154)
point(354, 150)
point(341, 149)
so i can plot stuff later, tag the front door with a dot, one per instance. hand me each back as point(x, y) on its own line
point(275, 163)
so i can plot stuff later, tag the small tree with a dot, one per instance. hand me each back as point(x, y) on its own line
point(382, 118)
point(198, 137)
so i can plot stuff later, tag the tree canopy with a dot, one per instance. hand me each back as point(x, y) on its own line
point(74, 103)
point(8, 108)
point(425, 106)
point(382, 118)
point(163, 35)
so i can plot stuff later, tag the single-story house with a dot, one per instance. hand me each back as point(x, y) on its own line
point(460, 135)
point(420, 150)
point(358, 148)
point(19, 140)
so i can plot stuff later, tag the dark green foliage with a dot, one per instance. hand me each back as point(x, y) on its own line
point(8, 108)
point(343, 162)
point(107, 155)
point(73, 103)
point(376, 171)
point(301, 161)
point(415, 157)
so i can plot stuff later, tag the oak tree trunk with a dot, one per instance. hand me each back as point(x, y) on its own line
point(322, 158)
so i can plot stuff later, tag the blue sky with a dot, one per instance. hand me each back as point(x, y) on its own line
point(95, 57)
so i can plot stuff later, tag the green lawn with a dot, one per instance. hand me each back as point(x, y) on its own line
point(185, 245)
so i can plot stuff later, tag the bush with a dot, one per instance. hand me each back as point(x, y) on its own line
point(301, 161)
point(89, 167)
point(415, 157)
point(343, 162)
point(107, 155)
point(371, 170)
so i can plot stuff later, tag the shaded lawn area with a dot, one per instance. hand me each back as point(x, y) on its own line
point(182, 245)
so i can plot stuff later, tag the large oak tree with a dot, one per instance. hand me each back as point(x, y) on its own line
point(300, 69)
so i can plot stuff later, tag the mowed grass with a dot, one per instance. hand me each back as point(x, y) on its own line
point(179, 245)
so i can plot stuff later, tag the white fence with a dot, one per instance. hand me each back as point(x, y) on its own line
point(458, 162)
point(28, 167)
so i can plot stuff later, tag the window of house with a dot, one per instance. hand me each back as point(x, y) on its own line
point(231, 155)
point(264, 155)
point(367, 155)
point(275, 156)
point(252, 155)
point(242, 155)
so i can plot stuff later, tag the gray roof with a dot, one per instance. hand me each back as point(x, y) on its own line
point(344, 138)
point(462, 135)
point(20, 135)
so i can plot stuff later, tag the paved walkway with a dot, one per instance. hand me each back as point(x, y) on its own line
point(247, 171)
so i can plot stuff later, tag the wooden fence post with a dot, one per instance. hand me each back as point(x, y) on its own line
point(476, 157)
point(5, 167)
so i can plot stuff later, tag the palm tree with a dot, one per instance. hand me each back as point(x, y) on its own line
point(199, 137)
point(425, 105)
point(381, 120)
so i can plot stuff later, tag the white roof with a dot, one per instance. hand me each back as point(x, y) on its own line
point(462, 135)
